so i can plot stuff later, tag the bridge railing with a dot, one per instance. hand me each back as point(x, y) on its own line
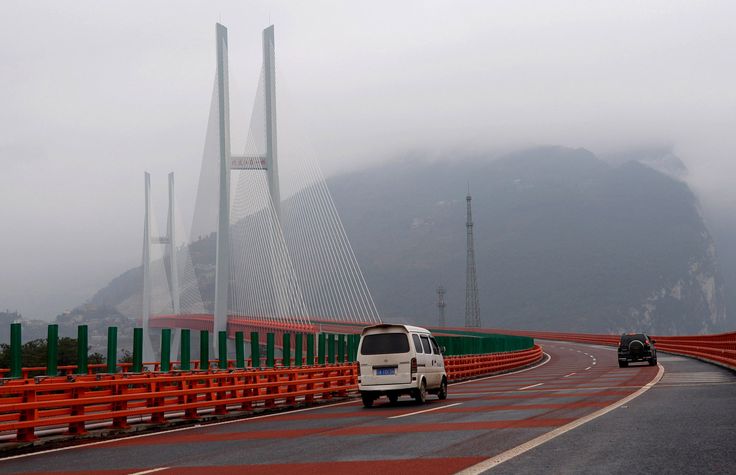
point(717, 348)
point(70, 404)
point(117, 396)
point(473, 366)
point(29, 405)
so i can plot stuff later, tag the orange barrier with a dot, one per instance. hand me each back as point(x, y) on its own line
point(27, 372)
point(70, 402)
point(27, 405)
point(719, 348)
point(465, 367)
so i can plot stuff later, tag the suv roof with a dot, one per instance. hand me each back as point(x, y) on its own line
point(627, 337)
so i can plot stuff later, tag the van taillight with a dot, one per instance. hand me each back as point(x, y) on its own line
point(358, 365)
point(413, 365)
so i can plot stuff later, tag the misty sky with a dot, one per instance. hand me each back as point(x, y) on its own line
point(92, 94)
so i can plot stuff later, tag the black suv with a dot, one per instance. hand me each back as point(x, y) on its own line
point(636, 347)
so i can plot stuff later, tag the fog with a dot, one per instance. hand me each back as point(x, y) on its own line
point(92, 94)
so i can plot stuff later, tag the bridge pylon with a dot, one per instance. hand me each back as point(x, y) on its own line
point(170, 263)
point(228, 162)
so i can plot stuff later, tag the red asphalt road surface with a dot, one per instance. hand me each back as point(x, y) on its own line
point(480, 419)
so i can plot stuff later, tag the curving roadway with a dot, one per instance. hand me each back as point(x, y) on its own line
point(576, 412)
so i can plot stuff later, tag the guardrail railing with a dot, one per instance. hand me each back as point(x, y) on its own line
point(718, 348)
point(472, 366)
point(53, 399)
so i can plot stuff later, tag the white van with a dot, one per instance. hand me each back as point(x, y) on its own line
point(399, 359)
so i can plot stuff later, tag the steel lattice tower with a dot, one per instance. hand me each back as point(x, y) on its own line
point(441, 305)
point(472, 307)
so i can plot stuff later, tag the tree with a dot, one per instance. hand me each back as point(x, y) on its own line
point(34, 354)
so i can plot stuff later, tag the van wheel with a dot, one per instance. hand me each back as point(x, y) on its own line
point(393, 397)
point(623, 364)
point(653, 362)
point(442, 394)
point(420, 395)
point(367, 400)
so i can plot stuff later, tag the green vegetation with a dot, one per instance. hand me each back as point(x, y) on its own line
point(33, 354)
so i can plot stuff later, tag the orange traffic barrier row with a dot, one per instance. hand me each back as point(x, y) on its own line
point(30, 372)
point(718, 348)
point(26, 405)
point(465, 367)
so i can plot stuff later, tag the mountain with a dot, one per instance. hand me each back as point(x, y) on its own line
point(564, 241)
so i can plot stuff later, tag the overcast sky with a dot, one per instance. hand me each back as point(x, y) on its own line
point(92, 94)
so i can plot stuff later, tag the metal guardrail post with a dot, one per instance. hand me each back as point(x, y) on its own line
point(82, 348)
point(52, 350)
point(341, 348)
point(351, 348)
point(186, 354)
point(112, 349)
point(331, 348)
point(239, 350)
point(286, 350)
point(270, 344)
point(165, 350)
point(16, 362)
point(222, 349)
point(204, 350)
point(138, 349)
point(310, 349)
point(321, 349)
point(255, 350)
point(298, 339)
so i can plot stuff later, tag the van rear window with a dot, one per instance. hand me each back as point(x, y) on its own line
point(384, 343)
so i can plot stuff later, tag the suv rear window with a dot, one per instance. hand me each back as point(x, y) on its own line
point(626, 339)
point(384, 343)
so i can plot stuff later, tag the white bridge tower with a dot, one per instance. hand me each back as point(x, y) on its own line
point(170, 262)
point(228, 162)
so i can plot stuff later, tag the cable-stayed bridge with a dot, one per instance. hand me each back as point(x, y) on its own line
point(281, 257)
point(267, 251)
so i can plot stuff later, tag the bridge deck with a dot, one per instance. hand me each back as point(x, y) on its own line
point(479, 420)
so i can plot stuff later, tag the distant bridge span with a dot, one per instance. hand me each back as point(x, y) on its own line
point(236, 323)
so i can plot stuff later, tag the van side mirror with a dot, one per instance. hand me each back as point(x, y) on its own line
point(443, 349)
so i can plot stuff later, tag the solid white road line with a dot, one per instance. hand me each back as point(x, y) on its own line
point(153, 470)
point(532, 386)
point(426, 410)
point(518, 450)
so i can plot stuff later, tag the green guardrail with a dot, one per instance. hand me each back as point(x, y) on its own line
point(489, 343)
point(323, 348)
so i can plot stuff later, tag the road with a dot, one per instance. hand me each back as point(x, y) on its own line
point(480, 420)
point(685, 424)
